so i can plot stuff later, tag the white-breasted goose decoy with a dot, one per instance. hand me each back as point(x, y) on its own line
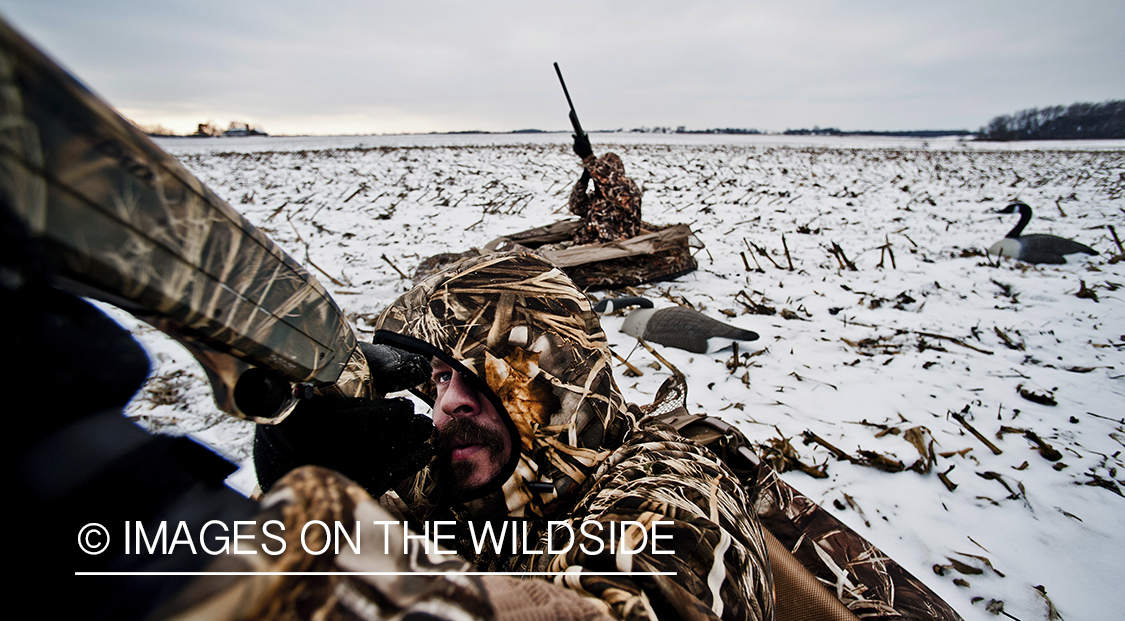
point(675, 326)
point(1036, 248)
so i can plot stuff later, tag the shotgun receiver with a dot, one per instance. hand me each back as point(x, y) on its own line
point(581, 140)
point(125, 223)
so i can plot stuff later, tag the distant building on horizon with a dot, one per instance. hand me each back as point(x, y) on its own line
point(239, 129)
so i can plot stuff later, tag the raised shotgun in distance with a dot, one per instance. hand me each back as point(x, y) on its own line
point(581, 140)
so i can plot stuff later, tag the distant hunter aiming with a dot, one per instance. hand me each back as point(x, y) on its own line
point(612, 211)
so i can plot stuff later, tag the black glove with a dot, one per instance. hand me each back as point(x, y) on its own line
point(582, 146)
point(393, 369)
point(374, 442)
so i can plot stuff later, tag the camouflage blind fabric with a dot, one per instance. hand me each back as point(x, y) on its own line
point(871, 584)
point(836, 559)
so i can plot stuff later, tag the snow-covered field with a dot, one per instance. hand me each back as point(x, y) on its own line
point(924, 327)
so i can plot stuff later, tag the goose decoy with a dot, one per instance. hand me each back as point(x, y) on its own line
point(675, 326)
point(1036, 248)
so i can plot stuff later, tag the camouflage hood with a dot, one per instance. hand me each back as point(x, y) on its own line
point(522, 328)
point(608, 169)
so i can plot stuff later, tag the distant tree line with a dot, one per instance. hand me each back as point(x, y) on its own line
point(815, 131)
point(1074, 122)
point(911, 133)
point(682, 129)
point(156, 130)
point(717, 130)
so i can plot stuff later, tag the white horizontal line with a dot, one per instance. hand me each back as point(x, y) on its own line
point(375, 573)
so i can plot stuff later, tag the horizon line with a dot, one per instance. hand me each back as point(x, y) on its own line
point(827, 131)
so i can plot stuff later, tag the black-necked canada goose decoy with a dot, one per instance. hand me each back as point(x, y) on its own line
point(675, 326)
point(1035, 248)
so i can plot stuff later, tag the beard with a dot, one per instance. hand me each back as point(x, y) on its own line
point(454, 476)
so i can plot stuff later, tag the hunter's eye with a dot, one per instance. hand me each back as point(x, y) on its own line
point(440, 372)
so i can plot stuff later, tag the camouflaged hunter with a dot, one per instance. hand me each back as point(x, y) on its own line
point(612, 211)
point(584, 454)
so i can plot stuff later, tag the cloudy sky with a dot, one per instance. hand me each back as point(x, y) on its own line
point(352, 66)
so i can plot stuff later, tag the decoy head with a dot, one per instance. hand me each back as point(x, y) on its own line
point(1013, 208)
point(609, 305)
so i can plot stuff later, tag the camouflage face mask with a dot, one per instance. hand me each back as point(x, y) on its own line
point(522, 329)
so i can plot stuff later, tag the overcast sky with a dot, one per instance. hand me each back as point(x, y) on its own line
point(358, 67)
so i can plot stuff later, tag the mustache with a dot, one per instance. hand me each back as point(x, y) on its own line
point(465, 431)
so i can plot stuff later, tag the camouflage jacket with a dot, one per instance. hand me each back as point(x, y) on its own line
point(659, 478)
point(587, 460)
point(612, 212)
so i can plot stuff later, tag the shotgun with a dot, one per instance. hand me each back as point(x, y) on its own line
point(90, 206)
point(581, 140)
point(123, 222)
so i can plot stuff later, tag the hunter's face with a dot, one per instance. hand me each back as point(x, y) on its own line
point(473, 443)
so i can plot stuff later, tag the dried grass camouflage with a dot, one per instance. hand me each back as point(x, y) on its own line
point(520, 324)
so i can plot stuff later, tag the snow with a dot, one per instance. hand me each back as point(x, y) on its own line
point(899, 342)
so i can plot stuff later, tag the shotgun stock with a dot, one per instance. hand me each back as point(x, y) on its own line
point(125, 223)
